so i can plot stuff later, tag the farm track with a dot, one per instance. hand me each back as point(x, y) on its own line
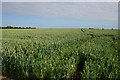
point(81, 63)
point(80, 66)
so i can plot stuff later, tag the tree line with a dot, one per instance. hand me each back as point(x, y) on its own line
point(10, 27)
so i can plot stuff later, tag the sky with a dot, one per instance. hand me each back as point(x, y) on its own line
point(60, 14)
point(60, 0)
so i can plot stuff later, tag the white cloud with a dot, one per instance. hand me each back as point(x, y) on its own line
point(60, 0)
point(76, 10)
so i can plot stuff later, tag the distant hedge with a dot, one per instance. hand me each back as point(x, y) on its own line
point(10, 27)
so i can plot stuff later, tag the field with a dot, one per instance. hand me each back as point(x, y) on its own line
point(60, 53)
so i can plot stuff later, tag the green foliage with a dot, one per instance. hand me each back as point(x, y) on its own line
point(60, 53)
point(102, 61)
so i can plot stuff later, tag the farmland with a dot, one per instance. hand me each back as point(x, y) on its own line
point(60, 53)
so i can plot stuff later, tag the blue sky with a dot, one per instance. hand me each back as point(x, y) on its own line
point(60, 14)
